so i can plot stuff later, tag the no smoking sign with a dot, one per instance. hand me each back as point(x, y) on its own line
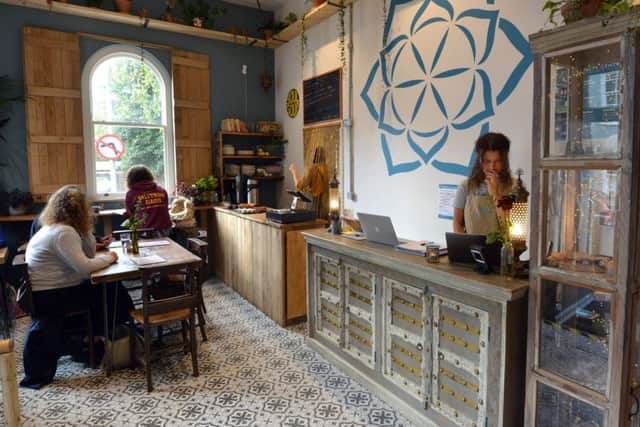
point(109, 146)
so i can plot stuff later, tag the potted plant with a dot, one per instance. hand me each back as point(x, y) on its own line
point(123, 6)
point(198, 13)
point(186, 190)
point(19, 202)
point(574, 10)
point(206, 187)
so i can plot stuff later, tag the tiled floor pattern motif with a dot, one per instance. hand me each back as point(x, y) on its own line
point(252, 373)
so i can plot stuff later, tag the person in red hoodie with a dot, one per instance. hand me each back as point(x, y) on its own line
point(151, 197)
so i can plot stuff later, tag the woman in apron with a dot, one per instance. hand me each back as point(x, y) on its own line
point(475, 206)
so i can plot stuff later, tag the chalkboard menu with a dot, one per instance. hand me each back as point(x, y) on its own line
point(322, 97)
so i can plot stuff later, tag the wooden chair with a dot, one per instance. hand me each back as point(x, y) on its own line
point(160, 312)
point(26, 297)
point(200, 248)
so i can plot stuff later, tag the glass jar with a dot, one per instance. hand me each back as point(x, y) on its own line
point(506, 259)
point(433, 253)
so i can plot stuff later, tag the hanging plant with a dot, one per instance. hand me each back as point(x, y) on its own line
point(303, 38)
point(384, 23)
point(341, 34)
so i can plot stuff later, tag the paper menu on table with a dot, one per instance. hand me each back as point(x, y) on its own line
point(146, 260)
point(146, 244)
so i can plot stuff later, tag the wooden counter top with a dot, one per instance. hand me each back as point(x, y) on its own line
point(262, 219)
point(458, 277)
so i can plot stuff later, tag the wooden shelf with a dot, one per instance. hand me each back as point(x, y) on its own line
point(259, 178)
point(18, 218)
point(136, 21)
point(257, 134)
point(253, 157)
point(312, 18)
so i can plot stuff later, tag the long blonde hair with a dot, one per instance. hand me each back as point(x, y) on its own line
point(68, 206)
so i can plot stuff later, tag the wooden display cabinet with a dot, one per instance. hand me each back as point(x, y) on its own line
point(583, 263)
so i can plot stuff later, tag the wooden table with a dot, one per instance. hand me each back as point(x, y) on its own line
point(126, 269)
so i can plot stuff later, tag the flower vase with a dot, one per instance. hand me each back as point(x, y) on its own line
point(135, 248)
point(506, 259)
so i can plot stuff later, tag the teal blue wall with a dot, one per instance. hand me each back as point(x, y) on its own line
point(227, 83)
point(226, 59)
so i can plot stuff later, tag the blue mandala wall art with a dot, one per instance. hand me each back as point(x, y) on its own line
point(432, 79)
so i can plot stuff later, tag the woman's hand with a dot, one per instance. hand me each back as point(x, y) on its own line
point(491, 179)
point(104, 243)
point(114, 256)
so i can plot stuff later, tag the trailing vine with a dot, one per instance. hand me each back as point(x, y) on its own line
point(384, 22)
point(303, 38)
point(341, 36)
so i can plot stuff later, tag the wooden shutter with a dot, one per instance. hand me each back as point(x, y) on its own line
point(192, 115)
point(54, 110)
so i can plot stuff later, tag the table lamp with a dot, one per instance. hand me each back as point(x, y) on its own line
point(519, 217)
point(334, 205)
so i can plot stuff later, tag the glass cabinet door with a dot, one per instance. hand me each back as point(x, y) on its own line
point(584, 103)
point(581, 212)
point(575, 326)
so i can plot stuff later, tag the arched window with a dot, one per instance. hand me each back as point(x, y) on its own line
point(127, 119)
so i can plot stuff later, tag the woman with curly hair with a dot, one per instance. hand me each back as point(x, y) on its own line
point(61, 257)
point(476, 207)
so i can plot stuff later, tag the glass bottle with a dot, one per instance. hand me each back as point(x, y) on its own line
point(506, 258)
point(135, 249)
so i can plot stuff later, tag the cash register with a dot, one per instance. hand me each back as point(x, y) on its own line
point(296, 213)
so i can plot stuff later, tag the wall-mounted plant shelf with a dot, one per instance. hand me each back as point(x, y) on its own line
point(313, 18)
point(136, 21)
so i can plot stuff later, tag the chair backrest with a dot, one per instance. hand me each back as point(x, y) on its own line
point(152, 275)
point(200, 248)
point(24, 296)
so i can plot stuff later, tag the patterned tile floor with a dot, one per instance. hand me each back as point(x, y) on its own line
point(252, 373)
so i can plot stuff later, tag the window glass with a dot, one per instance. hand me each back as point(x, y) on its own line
point(128, 110)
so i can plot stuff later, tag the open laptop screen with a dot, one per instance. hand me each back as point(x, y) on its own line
point(378, 229)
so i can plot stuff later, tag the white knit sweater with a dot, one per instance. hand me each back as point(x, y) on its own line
point(58, 257)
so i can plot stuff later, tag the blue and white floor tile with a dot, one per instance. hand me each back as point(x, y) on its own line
point(252, 373)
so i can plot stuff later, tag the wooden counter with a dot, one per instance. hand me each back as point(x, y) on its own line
point(441, 343)
point(263, 261)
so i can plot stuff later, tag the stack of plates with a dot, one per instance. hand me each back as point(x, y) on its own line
point(245, 152)
point(228, 150)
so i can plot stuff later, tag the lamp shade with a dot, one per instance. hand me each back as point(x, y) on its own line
point(334, 196)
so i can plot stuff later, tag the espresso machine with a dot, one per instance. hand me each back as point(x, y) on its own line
point(253, 188)
point(297, 211)
point(241, 188)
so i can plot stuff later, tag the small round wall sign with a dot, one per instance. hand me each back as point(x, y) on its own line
point(109, 146)
point(293, 103)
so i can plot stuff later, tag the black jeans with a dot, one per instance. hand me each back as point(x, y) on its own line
point(46, 340)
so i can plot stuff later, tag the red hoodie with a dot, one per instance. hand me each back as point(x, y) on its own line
point(155, 204)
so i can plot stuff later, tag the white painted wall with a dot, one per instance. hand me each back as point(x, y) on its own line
point(410, 199)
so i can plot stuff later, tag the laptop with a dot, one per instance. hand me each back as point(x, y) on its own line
point(378, 229)
point(459, 245)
